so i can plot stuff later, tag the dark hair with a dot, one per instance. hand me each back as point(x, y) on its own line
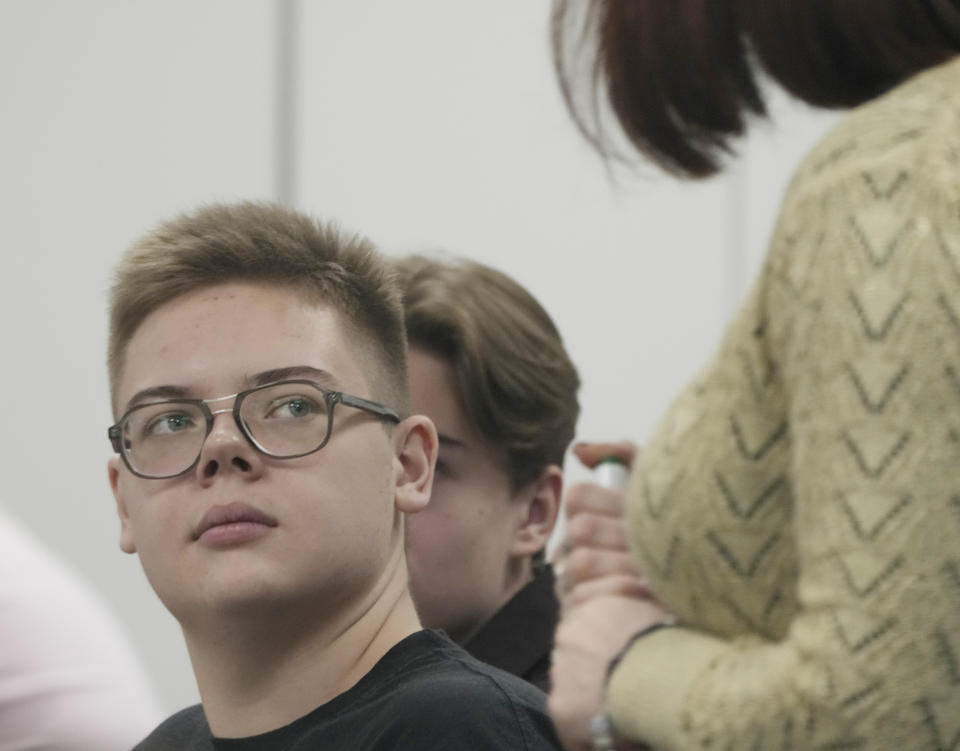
point(515, 381)
point(681, 76)
point(265, 244)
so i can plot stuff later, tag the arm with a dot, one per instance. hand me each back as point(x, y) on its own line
point(605, 601)
point(864, 316)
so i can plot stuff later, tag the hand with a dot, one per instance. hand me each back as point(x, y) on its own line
point(596, 546)
point(591, 454)
point(588, 638)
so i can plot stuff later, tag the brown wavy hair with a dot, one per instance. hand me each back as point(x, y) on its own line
point(515, 381)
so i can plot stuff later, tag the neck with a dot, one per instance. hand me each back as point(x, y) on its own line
point(264, 672)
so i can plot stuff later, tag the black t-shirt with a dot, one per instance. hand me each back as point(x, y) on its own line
point(425, 694)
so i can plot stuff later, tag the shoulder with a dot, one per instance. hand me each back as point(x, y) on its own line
point(910, 127)
point(187, 730)
point(83, 685)
point(451, 698)
point(878, 195)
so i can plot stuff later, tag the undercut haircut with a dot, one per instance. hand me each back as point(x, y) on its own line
point(264, 243)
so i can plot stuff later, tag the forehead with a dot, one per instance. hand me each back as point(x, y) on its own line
point(434, 393)
point(433, 389)
point(217, 338)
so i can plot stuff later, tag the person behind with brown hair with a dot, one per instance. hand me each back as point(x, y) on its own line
point(265, 460)
point(488, 366)
point(796, 513)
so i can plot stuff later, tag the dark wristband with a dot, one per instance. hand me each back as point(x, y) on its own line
point(665, 622)
point(603, 733)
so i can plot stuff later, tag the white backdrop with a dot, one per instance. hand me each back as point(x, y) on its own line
point(425, 124)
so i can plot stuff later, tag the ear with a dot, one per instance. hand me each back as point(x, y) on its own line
point(415, 454)
point(126, 533)
point(541, 501)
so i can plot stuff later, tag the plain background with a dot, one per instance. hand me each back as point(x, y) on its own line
point(426, 124)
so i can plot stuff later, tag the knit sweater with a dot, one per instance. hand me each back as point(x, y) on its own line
point(799, 507)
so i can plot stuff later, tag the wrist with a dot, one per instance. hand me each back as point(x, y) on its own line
point(603, 734)
point(666, 622)
point(601, 728)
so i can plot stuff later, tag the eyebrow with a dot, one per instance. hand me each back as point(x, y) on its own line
point(157, 392)
point(295, 371)
point(169, 391)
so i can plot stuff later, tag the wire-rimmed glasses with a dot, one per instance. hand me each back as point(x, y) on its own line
point(283, 419)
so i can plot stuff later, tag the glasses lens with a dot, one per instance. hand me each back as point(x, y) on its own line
point(286, 419)
point(164, 439)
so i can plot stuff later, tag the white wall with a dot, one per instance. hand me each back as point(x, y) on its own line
point(425, 124)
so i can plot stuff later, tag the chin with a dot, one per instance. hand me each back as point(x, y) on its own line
point(240, 595)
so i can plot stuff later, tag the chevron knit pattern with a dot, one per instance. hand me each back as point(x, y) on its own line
point(799, 508)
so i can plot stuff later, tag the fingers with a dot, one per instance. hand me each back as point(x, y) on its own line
point(588, 497)
point(615, 584)
point(584, 564)
point(591, 454)
point(585, 573)
point(595, 544)
point(595, 530)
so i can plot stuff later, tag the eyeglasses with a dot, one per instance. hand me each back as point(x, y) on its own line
point(283, 419)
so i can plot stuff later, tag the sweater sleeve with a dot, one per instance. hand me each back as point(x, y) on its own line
point(865, 323)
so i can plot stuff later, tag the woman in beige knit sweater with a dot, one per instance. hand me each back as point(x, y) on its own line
point(798, 510)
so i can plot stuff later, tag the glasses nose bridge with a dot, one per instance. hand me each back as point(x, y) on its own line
point(208, 405)
point(227, 409)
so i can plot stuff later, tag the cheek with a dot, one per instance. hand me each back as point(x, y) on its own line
point(335, 509)
point(431, 534)
point(131, 508)
point(156, 527)
point(153, 522)
point(350, 469)
point(448, 532)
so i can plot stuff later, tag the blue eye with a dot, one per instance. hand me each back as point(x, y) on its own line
point(172, 422)
point(299, 407)
point(293, 407)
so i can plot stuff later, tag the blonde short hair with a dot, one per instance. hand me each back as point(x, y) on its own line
point(270, 244)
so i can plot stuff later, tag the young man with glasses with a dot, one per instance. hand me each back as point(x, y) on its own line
point(265, 461)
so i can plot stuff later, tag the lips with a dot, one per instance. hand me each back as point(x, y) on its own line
point(232, 513)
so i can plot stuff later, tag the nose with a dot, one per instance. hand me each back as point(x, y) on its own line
point(226, 449)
